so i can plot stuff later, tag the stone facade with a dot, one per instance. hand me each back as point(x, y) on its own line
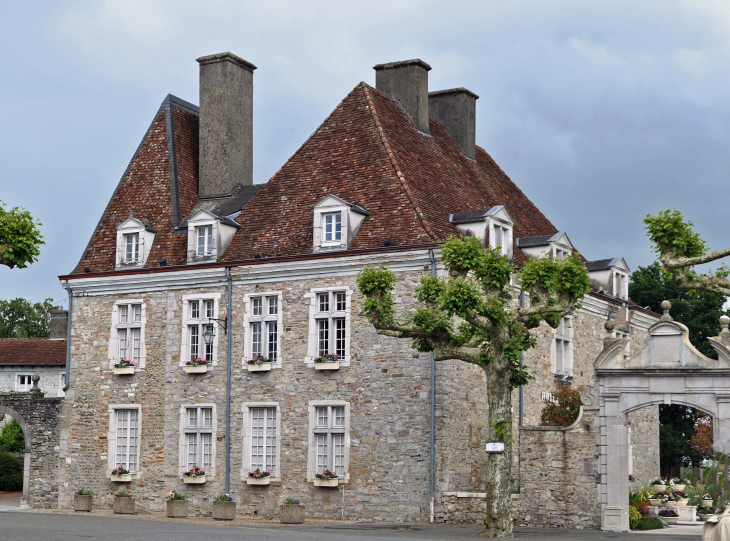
point(51, 382)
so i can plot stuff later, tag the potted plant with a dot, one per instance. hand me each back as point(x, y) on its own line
point(224, 508)
point(258, 477)
point(680, 498)
point(82, 500)
point(706, 500)
point(194, 476)
point(120, 474)
point(258, 364)
point(678, 484)
point(705, 512)
point(669, 500)
point(125, 366)
point(196, 366)
point(123, 503)
point(659, 484)
point(328, 361)
point(655, 499)
point(670, 516)
point(327, 478)
point(176, 506)
point(291, 512)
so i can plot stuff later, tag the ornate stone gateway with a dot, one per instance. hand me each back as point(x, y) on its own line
point(669, 370)
point(38, 417)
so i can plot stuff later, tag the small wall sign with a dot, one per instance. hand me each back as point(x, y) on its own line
point(495, 447)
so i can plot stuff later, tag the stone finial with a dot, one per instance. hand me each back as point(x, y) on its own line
point(131, 212)
point(609, 326)
point(35, 378)
point(724, 332)
point(666, 306)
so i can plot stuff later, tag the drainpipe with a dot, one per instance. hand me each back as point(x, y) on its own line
point(68, 336)
point(522, 367)
point(228, 384)
point(433, 405)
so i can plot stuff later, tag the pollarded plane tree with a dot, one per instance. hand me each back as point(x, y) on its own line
point(20, 238)
point(474, 315)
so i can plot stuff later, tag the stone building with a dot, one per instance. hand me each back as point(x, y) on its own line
point(191, 260)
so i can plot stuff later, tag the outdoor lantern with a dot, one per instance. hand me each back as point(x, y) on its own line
point(208, 335)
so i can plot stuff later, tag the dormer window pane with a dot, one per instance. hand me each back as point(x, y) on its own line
point(332, 227)
point(205, 240)
point(131, 241)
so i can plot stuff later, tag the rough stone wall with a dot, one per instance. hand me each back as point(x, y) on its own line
point(49, 382)
point(644, 424)
point(38, 416)
point(558, 476)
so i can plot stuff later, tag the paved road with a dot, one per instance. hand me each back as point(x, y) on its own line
point(56, 527)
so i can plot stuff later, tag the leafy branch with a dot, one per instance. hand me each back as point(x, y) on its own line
point(20, 237)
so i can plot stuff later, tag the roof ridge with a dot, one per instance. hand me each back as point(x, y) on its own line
point(391, 156)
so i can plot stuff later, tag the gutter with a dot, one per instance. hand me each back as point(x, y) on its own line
point(228, 384)
point(433, 407)
point(522, 367)
point(68, 336)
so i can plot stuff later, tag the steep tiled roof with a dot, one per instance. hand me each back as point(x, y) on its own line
point(161, 181)
point(32, 351)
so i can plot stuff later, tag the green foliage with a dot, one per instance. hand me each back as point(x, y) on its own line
point(648, 523)
point(20, 318)
point(634, 517)
point(503, 430)
point(552, 277)
point(11, 438)
point(641, 495)
point(699, 310)
point(670, 233)
point(376, 285)
point(175, 496)
point(11, 472)
point(566, 411)
point(676, 429)
point(20, 237)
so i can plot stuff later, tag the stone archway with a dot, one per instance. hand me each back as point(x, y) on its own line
point(38, 418)
point(669, 370)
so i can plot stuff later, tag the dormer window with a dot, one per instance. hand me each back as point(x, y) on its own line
point(557, 246)
point(208, 235)
point(494, 227)
point(610, 277)
point(205, 240)
point(134, 242)
point(336, 223)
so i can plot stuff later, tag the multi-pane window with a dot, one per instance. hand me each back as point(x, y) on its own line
point(563, 352)
point(200, 312)
point(129, 331)
point(24, 383)
point(127, 439)
point(263, 438)
point(131, 248)
point(198, 435)
point(264, 326)
point(501, 239)
point(331, 322)
point(329, 438)
point(620, 285)
point(205, 240)
point(560, 254)
point(332, 226)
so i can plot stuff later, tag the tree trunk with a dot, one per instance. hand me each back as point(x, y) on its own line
point(498, 521)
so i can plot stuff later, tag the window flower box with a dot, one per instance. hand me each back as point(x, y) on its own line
point(258, 477)
point(124, 367)
point(194, 476)
point(196, 366)
point(121, 475)
point(327, 478)
point(258, 364)
point(262, 481)
point(330, 361)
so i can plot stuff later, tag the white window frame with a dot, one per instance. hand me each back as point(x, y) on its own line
point(325, 225)
point(312, 453)
point(313, 340)
point(249, 318)
point(505, 232)
point(112, 438)
point(23, 387)
point(202, 322)
point(113, 353)
point(246, 438)
point(183, 440)
point(566, 339)
point(146, 238)
point(620, 285)
point(208, 235)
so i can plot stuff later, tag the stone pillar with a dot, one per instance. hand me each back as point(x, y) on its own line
point(614, 465)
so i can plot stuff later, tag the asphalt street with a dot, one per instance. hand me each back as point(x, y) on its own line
point(59, 527)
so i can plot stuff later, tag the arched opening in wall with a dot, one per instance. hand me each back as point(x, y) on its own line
point(12, 461)
point(686, 437)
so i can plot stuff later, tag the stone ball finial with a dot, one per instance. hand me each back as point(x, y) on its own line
point(609, 326)
point(666, 306)
point(724, 322)
point(35, 378)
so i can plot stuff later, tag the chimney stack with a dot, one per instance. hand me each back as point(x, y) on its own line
point(59, 324)
point(455, 109)
point(407, 83)
point(226, 124)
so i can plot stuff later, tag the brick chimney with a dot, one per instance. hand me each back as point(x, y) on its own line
point(456, 109)
point(407, 83)
point(226, 124)
point(59, 324)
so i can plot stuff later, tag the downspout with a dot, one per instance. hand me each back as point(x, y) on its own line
point(433, 405)
point(68, 336)
point(228, 383)
point(522, 367)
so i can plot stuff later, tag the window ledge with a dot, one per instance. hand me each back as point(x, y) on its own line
point(563, 378)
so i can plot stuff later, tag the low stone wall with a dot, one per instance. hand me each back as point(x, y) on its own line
point(558, 475)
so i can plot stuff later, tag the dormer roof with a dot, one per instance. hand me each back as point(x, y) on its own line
point(606, 264)
point(133, 222)
point(326, 202)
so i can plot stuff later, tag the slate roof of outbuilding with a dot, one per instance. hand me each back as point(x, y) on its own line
point(32, 351)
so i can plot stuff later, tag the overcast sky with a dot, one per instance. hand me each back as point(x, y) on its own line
point(601, 112)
